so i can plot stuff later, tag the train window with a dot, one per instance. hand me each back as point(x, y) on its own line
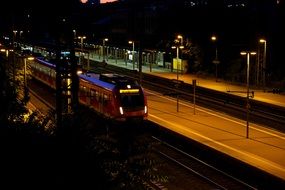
point(105, 99)
point(83, 90)
point(92, 95)
point(53, 73)
point(97, 95)
point(132, 100)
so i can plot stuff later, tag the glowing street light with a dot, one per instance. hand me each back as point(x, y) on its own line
point(133, 53)
point(25, 74)
point(181, 39)
point(25, 69)
point(216, 60)
point(264, 62)
point(104, 40)
point(81, 52)
point(247, 53)
point(74, 34)
point(178, 46)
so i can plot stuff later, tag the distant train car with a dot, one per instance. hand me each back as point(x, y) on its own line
point(43, 71)
point(114, 96)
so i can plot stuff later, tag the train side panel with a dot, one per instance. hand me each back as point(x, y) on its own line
point(120, 101)
point(100, 99)
point(43, 73)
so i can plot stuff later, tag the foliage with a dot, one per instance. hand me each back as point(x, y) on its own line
point(192, 52)
point(123, 160)
point(13, 106)
point(127, 158)
point(14, 98)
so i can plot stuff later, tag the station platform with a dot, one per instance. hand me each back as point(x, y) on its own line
point(260, 94)
point(264, 148)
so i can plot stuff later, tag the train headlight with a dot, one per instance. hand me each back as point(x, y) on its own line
point(121, 111)
point(145, 109)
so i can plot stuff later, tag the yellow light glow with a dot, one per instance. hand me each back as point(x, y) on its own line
point(125, 91)
point(79, 72)
point(213, 38)
point(262, 40)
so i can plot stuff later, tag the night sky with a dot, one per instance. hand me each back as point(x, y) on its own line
point(251, 23)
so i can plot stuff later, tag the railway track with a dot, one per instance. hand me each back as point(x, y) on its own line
point(195, 171)
point(208, 174)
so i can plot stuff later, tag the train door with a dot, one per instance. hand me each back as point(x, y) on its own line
point(101, 101)
point(106, 104)
point(93, 98)
point(83, 94)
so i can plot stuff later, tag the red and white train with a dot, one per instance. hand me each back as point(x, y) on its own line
point(114, 96)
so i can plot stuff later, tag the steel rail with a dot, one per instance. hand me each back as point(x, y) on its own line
point(184, 154)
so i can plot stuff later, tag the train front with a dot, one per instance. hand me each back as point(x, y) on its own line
point(132, 102)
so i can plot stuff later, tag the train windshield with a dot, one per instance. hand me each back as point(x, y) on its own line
point(131, 98)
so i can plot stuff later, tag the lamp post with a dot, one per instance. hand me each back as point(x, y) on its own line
point(25, 74)
point(247, 53)
point(14, 36)
point(180, 37)
point(216, 60)
point(264, 62)
point(178, 46)
point(74, 34)
point(103, 52)
point(133, 53)
point(81, 44)
point(20, 34)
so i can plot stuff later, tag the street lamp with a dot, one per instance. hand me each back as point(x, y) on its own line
point(177, 57)
point(178, 46)
point(104, 40)
point(247, 53)
point(181, 39)
point(25, 74)
point(15, 34)
point(264, 62)
point(133, 53)
point(21, 31)
point(81, 52)
point(216, 60)
point(74, 34)
point(25, 69)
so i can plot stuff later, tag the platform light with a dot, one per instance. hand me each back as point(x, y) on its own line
point(247, 53)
